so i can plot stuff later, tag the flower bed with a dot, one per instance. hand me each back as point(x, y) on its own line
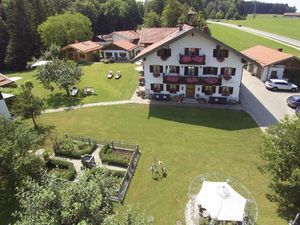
point(116, 157)
point(63, 169)
point(73, 149)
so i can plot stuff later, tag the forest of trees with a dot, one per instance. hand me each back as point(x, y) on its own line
point(20, 19)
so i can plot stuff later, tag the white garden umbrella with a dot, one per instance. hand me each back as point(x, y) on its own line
point(221, 201)
point(40, 63)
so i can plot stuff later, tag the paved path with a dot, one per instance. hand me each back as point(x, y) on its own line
point(266, 107)
point(275, 37)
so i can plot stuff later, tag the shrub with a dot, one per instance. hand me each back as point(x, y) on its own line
point(72, 149)
point(70, 172)
point(107, 156)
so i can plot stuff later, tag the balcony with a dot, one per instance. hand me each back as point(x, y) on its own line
point(192, 59)
point(210, 81)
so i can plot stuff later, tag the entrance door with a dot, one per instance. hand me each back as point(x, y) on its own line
point(190, 91)
point(116, 56)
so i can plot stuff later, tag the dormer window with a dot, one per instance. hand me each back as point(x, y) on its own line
point(220, 53)
point(164, 53)
point(191, 51)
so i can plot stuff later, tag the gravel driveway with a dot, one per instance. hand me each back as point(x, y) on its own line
point(266, 107)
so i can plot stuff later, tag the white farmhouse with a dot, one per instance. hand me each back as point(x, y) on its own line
point(191, 63)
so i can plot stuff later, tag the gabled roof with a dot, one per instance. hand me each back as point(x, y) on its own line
point(122, 44)
point(266, 56)
point(153, 35)
point(178, 34)
point(129, 34)
point(4, 80)
point(85, 46)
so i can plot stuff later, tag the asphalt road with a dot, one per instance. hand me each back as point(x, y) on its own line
point(275, 37)
point(266, 107)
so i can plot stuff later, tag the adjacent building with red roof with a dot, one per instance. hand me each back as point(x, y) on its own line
point(119, 50)
point(86, 51)
point(270, 63)
point(5, 81)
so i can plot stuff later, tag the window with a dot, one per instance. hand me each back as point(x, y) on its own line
point(228, 71)
point(71, 54)
point(108, 54)
point(220, 53)
point(273, 75)
point(164, 53)
point(122, 54)
point(172, 88)
point(208, 90)
point(156, 87)
point(191, 71)
point(82, 56)
point(191, 51)
point(174, 69)
point(210, 70)
point(156, 70)
point(226, 91)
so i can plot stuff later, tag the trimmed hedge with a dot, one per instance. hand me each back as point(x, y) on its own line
point(70, 173)
point(112, 159)
point(71, 152)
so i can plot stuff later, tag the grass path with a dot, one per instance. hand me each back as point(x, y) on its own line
point(241, 40)
point(190, 141)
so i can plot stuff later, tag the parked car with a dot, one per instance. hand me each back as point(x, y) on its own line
point(293, 101)
point(297, 111)
point(110, 74)
point(278, 84)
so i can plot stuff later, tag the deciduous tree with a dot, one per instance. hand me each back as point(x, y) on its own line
point(281, 151)
point(28, 105)
point(56, 201)
point(64, 29)
point(151, 19)
point(60, 73)
point(172, 12)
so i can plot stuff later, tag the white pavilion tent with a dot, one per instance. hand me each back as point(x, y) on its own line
point(221, 201)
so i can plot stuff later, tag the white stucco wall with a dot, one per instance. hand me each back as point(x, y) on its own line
point(4, 110)
point(206, 47)
point(268, 71)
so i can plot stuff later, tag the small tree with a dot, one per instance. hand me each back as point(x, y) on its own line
point(281, 150)
point(63, 74)
point(28, 105)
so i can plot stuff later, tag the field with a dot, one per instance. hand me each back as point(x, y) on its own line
point(189, 141)
point(276, 24)
point(241, 40)
point(95, 75)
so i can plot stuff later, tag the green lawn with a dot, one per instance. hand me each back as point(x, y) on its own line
point(95, 75)
point(279, 24)
point(241, 40)
point(189, 141)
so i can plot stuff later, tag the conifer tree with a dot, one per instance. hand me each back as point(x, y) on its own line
point(20, 45)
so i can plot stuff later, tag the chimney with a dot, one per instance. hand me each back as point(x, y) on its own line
point(180, 27)
point(280, 49)
point(205, 30)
